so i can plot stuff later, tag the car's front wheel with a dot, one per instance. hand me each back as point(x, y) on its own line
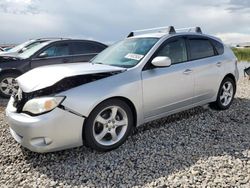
point(109, 125)
point(8, 84)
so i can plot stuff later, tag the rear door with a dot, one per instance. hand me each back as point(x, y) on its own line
point(56, 53)
point(208, 67)
point(84, 51)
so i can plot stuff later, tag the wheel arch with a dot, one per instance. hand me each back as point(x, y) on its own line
point(127, 101)
point(230, 75)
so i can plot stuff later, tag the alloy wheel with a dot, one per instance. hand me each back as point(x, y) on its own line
point(8, 86)
point(227, 93)
point(110, 125)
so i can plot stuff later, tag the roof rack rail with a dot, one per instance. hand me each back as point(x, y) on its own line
point(168, 30)
point(190, 29)
point(50, 38)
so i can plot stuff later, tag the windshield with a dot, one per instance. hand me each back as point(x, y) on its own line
point(126, 53)
point(19, 47)
point(29, 52)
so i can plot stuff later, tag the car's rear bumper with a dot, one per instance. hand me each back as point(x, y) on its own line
point(55, 130)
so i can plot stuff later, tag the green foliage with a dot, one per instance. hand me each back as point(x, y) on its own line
point(243, 54)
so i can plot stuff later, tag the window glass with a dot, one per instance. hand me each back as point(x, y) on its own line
point(20, 46)
point(218, 46)
point(57, 50)
point(175, 50)
point(127, 53)
point(30, 52)
point(32, 45)
point(200, 48)
point(87, 48)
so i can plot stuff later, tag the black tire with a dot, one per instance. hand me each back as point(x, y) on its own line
point(2, 77)
point(88, 133)
point(218, 103)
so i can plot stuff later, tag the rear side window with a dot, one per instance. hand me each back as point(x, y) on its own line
point(87, 48)
point(175, 50)
point(218, 46)
point(200, 48)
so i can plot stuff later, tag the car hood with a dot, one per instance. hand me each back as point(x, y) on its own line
point(47, 76)
point(8, 58)
point(8, 53)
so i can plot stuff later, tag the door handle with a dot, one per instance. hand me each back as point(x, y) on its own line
point(187, 72)
point(218, 64)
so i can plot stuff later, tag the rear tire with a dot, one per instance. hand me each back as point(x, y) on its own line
point(108, 125)
point(226, 94)
point(8, 84)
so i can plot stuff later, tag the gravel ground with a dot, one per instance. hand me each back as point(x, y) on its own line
point(196, 148)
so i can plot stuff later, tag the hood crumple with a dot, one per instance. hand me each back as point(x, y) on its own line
point(47, 76)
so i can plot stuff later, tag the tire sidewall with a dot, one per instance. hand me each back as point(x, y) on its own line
point(89, 123)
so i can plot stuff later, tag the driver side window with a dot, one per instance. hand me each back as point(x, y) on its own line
point(56, 51)
point(175, 50)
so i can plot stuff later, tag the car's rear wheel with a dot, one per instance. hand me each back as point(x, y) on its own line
point(226, 94)
point(8, 84)
point(109, 125)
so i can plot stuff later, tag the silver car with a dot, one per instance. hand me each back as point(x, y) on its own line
point(149, 75)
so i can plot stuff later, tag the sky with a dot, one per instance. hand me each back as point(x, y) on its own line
point(111, 20)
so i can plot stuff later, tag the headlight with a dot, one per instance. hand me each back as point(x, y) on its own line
point(42, 105)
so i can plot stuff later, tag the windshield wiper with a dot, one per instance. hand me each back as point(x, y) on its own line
point(100, 63)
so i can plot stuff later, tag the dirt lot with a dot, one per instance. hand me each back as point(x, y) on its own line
point(199, 147)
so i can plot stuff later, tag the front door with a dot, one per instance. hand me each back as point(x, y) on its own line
point(55, 54)
point(170, 88)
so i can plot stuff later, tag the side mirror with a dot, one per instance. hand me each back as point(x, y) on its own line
point(161, 61)
point(43, 55)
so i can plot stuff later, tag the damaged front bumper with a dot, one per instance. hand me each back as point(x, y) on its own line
point(53, 131)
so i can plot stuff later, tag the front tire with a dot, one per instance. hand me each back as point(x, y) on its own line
point(8, 84)
point(226, 94)
point(108, 125)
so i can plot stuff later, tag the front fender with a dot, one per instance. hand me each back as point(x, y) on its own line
point(83, 99)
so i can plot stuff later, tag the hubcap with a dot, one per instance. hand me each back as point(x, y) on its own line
point(227, 93)
point(110, 125)
point(8, 86)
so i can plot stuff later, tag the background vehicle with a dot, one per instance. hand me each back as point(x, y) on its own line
point(7, 48)
point(137, 80)
point(48, 52)
point(22, 47)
